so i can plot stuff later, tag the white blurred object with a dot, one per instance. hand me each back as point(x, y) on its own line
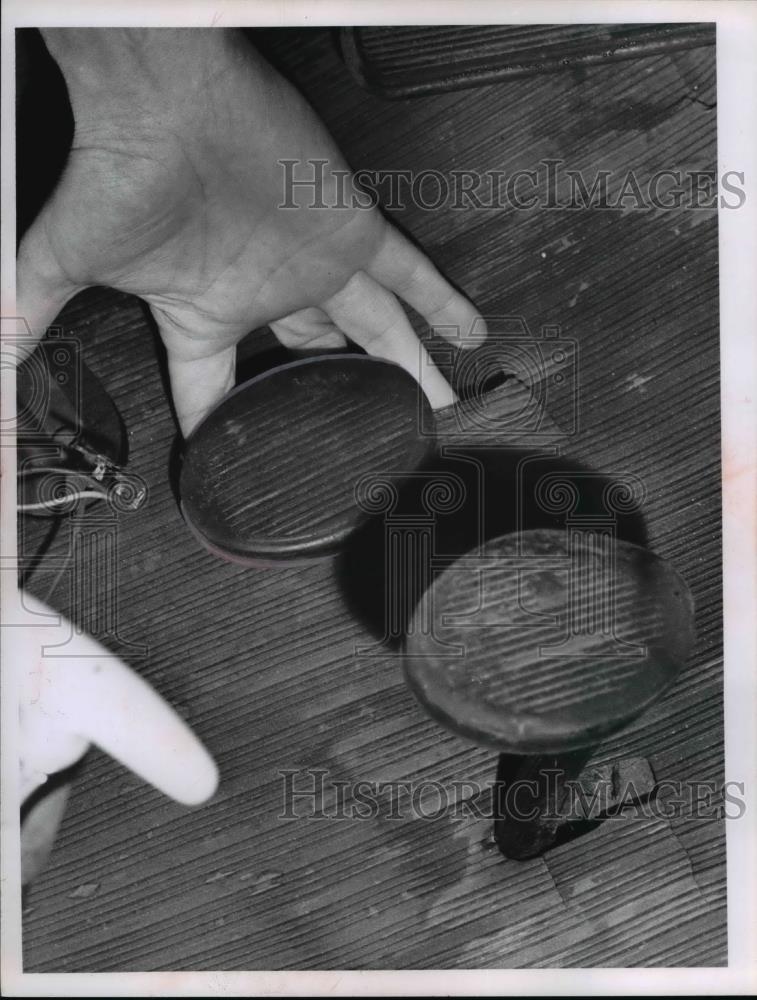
point(74, 692)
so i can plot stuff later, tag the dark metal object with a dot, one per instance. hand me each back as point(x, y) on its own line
point(572, 798)
point(414, 60)
point(70, 435)
point(540, 645)
point(61, 402)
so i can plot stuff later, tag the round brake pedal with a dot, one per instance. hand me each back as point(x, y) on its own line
point(270, 475)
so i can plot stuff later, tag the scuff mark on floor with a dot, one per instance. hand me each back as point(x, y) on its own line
point(637, 382)
point(583, 286)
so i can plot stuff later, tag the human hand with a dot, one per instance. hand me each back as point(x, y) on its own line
point(74, 692)
point(172, 192)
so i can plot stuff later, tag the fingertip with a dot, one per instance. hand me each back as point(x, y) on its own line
point(308, 329)
point(479, 330)
point(203, 782)
point(437, 389)
point(469, 331)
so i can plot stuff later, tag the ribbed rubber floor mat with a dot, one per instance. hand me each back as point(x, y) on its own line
point(423, 59)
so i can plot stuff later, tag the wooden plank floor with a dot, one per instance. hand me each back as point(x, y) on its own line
point(262, 664)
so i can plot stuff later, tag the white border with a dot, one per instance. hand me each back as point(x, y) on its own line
point(737, 150)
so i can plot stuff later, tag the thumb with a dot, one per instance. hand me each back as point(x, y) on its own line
point(42, 287)
point(201, 371)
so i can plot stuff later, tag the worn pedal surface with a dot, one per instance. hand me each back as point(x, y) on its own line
point(271, 473)
point(547, 643)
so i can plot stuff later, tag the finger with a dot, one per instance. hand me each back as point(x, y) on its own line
point(374, 319)
point(125, 717)
point(90, 694)
point(39, 828)
point(308, 329)
point(200, 371)
point(42, 289)
point(409, 273)
point(199, 384)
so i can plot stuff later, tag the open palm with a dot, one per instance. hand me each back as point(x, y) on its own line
point(178, 198)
